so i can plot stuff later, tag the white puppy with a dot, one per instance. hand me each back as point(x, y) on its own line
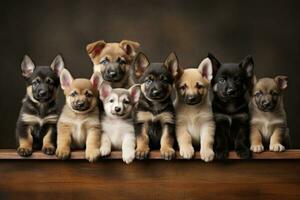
point(117, 125)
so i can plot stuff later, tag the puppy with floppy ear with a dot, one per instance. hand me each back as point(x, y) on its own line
point(268, 123)
point(194, 117)
point(117, 125)
point(113, 61)
point(36, 125)
point(154, 115)
point(79, 126)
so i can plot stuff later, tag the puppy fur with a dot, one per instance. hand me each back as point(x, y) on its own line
point(194, 117)
point(36, 125)
point(113, 60)
point(154, 116)
point(231, 85)
point(79, 126)
point(268, 123)
point(117, 125)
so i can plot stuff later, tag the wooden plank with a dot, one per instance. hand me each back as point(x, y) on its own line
point(79, 155)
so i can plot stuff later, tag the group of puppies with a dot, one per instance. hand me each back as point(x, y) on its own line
point(134, 105)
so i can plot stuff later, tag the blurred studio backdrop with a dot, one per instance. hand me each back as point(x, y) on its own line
point(268, 30)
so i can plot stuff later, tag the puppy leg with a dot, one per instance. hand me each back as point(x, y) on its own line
point(221, 143)
point(256, 140)
point(105, 147)
point(64, 140)
point(207, 133)
point(167, 142)
point(48, 146)
point(128, 148)
point(276, 140)
point(142, 141)
point(25, 140)
point(184, 140)
point(92, 151)
point(241, 141)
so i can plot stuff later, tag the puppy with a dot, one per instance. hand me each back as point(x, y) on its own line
point(36, 125)
point(154, 116)
point(113, 61)
point(231, 85)
point(268, 123)
point(117, 125)
point(194, 117)
point(78, 125)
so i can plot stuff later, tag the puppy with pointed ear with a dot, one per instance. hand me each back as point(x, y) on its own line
point(79, 124)
point(113, 60)
point(36, 126)
point(268, 123)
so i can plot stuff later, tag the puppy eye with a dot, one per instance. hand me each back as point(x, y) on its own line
point(183, 87)
point(198, 86)
point(237, 79)
point(274, 93)
point(74, 94)
point(49, 81)
point(87, 94)
point(111, 100)
point(163, 78)
point(258, 94)
point(105, 61)
point(121, 61)
point(126, 101)
point(36, 81)
point(150, 78)
point(222, 80)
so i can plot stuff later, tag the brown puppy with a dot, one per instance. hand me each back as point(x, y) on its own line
point(268, 123)
point(79, 125)
point(113, 61)
point(194, 117)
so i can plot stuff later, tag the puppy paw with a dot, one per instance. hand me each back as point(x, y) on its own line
point(63, 153)
point(221, 155)
point(277, 147)
point(244, 153)
point(187, 152)
point(128, 156)
point(92, 155)
point(257, 148)
point(207, 155)
point(48, 150)
point(24, 152)
point(167, 153)
point(105, 151)
point(142, 153)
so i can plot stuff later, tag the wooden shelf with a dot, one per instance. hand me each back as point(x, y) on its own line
point(11, 154)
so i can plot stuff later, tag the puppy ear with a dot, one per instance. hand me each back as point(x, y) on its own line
point(58, 64)
point(172, 64)
point(139, 66)
point(27, 66)
point(66, 79)
point(215, 63)
point(129, 47)
point(96, 80)
point(105, 91)
point(282, 82)
point(135, 92)
point(205, 69)
point(248, 65)
point(95, 48)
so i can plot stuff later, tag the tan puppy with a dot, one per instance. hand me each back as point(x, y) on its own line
point(113, 61)
point(195, 125)
point(79, 125)
point(268, 123)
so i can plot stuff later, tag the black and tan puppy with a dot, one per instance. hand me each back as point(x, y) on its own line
point(113, 61)
point(268, 122)
point(36, 125)
point(154, 116)
point(231, 84)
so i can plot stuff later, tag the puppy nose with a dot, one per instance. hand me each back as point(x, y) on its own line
point(80, 104)
point(156, 92)
point(266, 103)
point(191, 98)
point(42, 93)
point(112, 73)
point(230, 91)
point(117, 109)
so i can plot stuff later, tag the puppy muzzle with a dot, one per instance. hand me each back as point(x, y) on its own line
point(192, 99)
point(113, 73)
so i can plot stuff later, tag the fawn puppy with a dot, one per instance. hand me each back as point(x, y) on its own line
point(79, 126)
point(195, 125)
point(154, 116)
point(117, 125)
point(113, 61)
point(36, 125)
point(268, 123)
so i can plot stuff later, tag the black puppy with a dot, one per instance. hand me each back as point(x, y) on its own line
point(36, 125)
point(231, 84)
point(154, 116)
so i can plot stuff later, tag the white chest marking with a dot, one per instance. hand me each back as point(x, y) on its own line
point(33, 119)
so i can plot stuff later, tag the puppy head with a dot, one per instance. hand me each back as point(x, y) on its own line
point(232, 80)
point(156, 79)
point(113, 60)
point(193, 85)
point(267, 92)
point(41, 81)
point(81, 94)
point(118, 102)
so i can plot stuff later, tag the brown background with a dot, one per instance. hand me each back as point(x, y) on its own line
point(268, 30)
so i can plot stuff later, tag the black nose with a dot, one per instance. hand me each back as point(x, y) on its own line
point(156, 92)
point(80, 104)
point(191, 98)
point(42, 93)
point(230, 91)
point(117, 109)
point(112, 73)
point(266, 103)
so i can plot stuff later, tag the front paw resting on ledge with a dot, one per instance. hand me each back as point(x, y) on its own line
point(167, 153)
point(63, 153)
point(24, 152)
point(48, 150)
point(142, 154)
